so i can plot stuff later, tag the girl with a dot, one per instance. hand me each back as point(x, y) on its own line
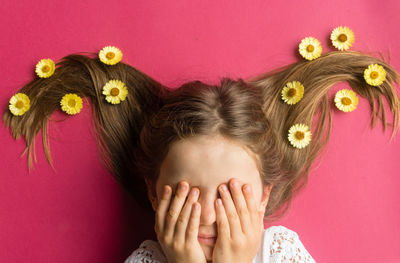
point(203, 137)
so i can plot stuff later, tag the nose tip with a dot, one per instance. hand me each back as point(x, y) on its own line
point(207, 216)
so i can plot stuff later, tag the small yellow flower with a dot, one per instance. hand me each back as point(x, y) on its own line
point(115, 91)
point(19, 104)
point(310, 48)
point(45, 68)
point(342, 38)
point(299, 135)
point(346, 100)
point(375, 75)
point(71, 104)
point(110, 55)
point(292, 92)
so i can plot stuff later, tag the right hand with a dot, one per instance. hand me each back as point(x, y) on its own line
point(177, 228)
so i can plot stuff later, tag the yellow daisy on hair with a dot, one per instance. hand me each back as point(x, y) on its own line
point(342, 38)
point(299, 135)
point(71, 104)
point(310, 48)
point(115, 91)
point(346, 100)
point(45, 68)
point(292, 92)
point(110, 55)
point(19, 104)
point(375, 75)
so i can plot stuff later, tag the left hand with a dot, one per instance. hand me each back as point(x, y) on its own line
point(240, 225)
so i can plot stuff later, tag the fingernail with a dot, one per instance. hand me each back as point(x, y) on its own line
point(182, 186)
point(235, 184)
point(166, 190)
point(247, 189)
point(223, 188)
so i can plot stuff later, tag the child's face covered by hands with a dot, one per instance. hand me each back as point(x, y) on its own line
point(205, 163)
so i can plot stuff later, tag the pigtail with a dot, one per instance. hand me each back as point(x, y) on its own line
point(118, 126)
point(314, 108)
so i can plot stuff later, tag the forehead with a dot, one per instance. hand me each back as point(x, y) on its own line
point(206, 162)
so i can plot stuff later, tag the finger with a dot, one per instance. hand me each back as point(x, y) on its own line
point(230, 210)
point(181, 224)
point(193, 226)
point(162, 209)
point(224, 232)
point(241, 206)
point(251, 202)
point(175, 210)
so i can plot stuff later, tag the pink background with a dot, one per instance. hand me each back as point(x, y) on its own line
point(349, 211)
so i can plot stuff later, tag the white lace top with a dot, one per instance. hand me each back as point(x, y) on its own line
point(279, 245)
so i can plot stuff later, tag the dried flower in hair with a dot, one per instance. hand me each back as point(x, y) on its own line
point(45, 68)
point(310, 48)
point(292, 92)
point(115, 91)
point(375, 75)
point(19, 104)
point(342, 38)
point(110, 55)
point(71, 104)
point(346, 100)
point(299, 135)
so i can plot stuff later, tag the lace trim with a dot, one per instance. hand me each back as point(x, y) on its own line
point(286, 247)
point(149, 251)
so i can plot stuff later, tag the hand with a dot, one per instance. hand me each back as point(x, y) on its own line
point(240, 226)
point(177, 227)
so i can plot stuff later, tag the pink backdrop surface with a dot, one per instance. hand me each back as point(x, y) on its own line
point(348, 212)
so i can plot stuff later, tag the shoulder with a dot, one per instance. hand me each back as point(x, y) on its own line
point(149, 251)
point(281, 244)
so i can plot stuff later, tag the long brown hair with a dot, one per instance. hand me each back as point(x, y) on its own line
point(135, 136)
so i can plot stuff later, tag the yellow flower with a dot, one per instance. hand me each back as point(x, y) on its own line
point(342, 38)
point(292, 92)
point(19, 104)
point(346, 100)
point(45, 68)
point(375, 75)
point(115, 91)
point(310, 48)
point(110, 55)
point(71, 103)
point(299, 135)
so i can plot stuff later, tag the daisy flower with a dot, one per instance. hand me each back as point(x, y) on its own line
point(342, 38)
point(310, 48)
point(110, 55)
point(346, 100)
point(45, 68)
point(375, 75)
point(115, 91)
point(19, 104)
point(292, 92)
point(71, 104)
point(299, 135)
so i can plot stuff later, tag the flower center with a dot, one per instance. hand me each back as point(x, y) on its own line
point(110, 55)
point(299, 135)
point(114, 91)
point(45, 68)
point(71, 103)
point(342, 38)
point(291, 92)
point(19, 104)
point(346, 101)
point(310, 48)
point(374, 75)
